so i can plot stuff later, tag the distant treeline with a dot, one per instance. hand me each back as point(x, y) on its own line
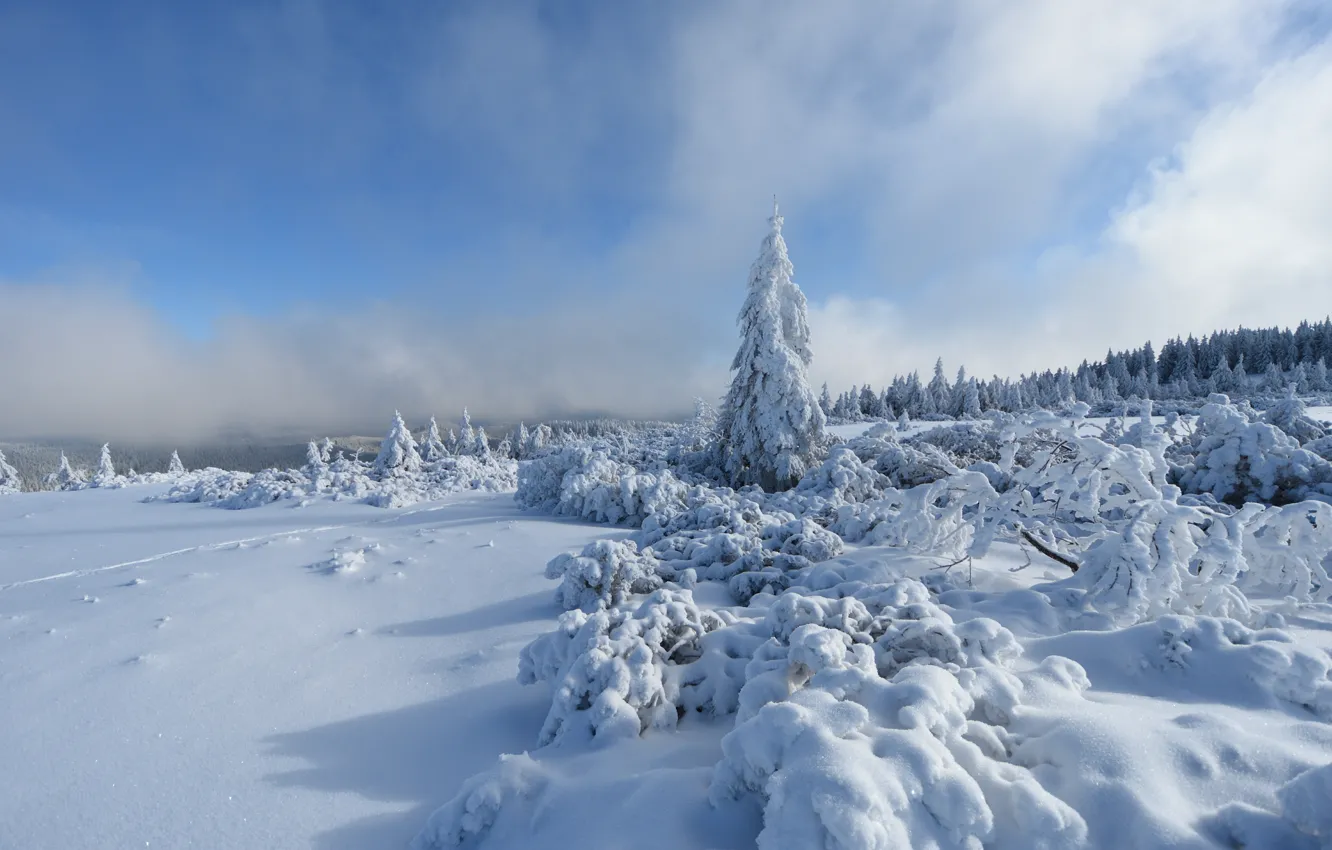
point(1244, 363)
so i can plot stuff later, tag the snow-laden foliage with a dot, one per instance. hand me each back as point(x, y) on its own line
point(583, 481)
point(770, 426)
point(9, 477)
point(66, 477)
point(343, 479)
point(175, 466)
point(106, 470)
point(1237, 460)
point(866, 710)
point(398, 454)
point(604, 575)
point(432, 447)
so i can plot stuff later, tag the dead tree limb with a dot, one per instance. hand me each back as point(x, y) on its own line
point(1048, 552)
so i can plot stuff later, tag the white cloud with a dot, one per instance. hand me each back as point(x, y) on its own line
point(958, 136)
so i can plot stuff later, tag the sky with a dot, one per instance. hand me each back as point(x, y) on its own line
point(298, 216)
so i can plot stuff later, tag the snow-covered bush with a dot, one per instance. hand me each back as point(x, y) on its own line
point(583, 481)
point(603, 575)
point(1237, 460)
point(613, 672)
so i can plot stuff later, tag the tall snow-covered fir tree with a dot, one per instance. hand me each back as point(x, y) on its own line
point(175, 467)
point(770, 426)
point(398, 452)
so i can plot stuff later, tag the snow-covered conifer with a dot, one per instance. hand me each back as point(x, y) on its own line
point(66, 477)
point(480, 445)
point(106, 470)
point(521, 441)
point(971, 406)
point(175, 467)
point(315, 466)
point(540, 438)
point(433, 448)
point(326, 450)
point(1318, 376)
point(904, 421)
point(1273, 379)
point(771, 425)
point(466, 435)
point(398, 453)
point(825, 401)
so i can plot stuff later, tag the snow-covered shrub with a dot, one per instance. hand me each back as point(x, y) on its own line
point(843, 478)
point(843, 756)
point(472, 811)
point(1291, 417)
point(603, 575)
point(612, 672)
point(1237, 460)
point(583, 481)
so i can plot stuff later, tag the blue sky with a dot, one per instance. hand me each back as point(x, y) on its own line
point(550, 207)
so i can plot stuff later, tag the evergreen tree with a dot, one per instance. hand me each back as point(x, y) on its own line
point(481, 445)
point(825, 401)
point(770, 425)
point(398, 453)
point(523, 438)
point(65, 477)
point(466, 436)
point(175, 467)
point(1273, 380)
point(326, 450)
point(315, 466)
point(1318, 376)
point(433, 447)
point(106, 470)
point(971, 406)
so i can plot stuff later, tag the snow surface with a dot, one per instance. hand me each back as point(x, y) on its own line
point(332, 675)
point(173, 675)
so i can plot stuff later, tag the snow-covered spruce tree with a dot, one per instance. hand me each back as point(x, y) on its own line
point(316, 468)
point(467, 436)
point(480, 445)
point(175, 467)
point(66, 477)
point(106, 470)
point(520, 442)
point(9, 477)
point(433, 448)
point(326, 450)
point(770, 425)
point(398, 454)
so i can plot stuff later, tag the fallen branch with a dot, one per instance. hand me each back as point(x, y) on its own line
point(1048, 552)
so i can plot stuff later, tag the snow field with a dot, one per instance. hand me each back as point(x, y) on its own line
point(279, 677)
